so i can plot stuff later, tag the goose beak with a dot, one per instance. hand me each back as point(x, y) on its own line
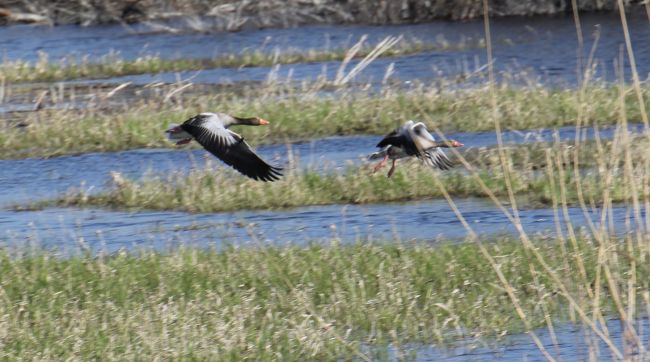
point(263, 122)
point(457, 144)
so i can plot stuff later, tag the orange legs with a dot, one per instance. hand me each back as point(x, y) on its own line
point(380, 164)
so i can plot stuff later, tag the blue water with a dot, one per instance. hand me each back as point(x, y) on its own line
point(575, 343)
point(429, 220)
point(546, 47)
point(35, 179)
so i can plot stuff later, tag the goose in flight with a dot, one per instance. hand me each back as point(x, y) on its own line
point(211, 131)
point(413, 140)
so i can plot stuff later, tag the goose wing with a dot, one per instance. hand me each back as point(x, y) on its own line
point(421, 138)
point(401, 138)
point(241, 157)
point(436, 158)
point(428, 151)
point(395, 138)
point(209, 129)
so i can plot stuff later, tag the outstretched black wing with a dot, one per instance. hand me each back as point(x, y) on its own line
point(238, 155)
point(395, 138)
point(400, 138)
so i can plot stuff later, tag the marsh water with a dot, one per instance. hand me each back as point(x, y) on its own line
point(545, 47)
point(568, 344)
point(30, 180)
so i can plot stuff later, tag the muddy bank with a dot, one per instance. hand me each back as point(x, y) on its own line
point(238, 14)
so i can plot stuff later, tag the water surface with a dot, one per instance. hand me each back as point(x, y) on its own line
point(544, 46)
point(429, 220)
point(575, 343)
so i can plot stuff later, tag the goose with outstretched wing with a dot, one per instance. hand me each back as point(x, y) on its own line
point(413, 140)
point(211, 131)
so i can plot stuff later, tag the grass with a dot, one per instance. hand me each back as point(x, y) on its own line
point(216, 190)
point(287, 303)
point(307, 114)
point(45, 70)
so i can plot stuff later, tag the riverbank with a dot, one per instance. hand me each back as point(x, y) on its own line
point(235, 15)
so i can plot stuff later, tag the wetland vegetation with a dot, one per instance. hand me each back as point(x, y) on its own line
point(302, 115)
point(540, 176)
point(112, 65)
point(297, 303)
point(342, 300)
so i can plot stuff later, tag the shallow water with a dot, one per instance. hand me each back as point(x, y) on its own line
point(33, 179)
point(537, 50)
point(544, 45)
point(423, 220)
point(574, 344)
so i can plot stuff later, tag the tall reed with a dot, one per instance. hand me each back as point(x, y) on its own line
point(616, 279)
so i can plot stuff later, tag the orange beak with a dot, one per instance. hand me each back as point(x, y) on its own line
point(263, 122)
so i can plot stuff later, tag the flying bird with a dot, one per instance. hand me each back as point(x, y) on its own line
point(211, 131)
point(413, 140)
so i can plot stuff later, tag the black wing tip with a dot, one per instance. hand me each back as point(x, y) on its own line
point(445, 164)
point(271, 174)
point(439, 160)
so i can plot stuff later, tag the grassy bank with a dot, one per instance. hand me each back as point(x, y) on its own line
point(306, 114)
point(233, 15)
point(46, 70)
point(215, 190)
point(290, 303)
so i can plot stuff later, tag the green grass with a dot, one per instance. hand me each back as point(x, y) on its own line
point(45, 70)
point(282, 303)
point(307, 115)
point(210, 190)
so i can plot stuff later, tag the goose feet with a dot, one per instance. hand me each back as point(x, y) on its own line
point(381, 164)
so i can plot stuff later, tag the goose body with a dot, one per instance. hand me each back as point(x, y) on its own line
point(413, 140)
point(211, 131)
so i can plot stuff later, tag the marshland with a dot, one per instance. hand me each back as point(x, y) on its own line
point(119, 244)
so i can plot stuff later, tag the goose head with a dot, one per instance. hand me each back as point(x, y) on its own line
point(450, 144)
point(252, 121)
point(226, 120)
